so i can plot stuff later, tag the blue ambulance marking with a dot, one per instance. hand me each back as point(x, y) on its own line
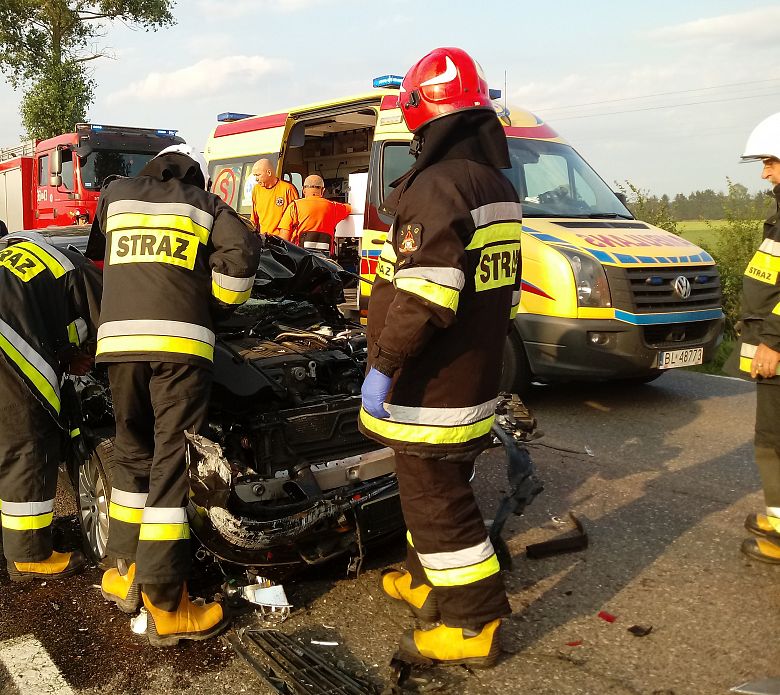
point(602, 256)
point(683, 317)
point(623, 258)
point(647, 259)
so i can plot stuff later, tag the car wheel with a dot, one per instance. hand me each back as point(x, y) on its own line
point(516, 372)
point(93, 489)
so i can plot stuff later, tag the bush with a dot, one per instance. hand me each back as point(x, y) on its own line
point(643, 206)
point(736, 240)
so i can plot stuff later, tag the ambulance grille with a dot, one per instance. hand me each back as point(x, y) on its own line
point(651, 290)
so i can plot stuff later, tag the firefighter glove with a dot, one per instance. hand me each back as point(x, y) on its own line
point(374, 393)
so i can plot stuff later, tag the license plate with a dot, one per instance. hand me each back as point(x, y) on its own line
point(669, 359)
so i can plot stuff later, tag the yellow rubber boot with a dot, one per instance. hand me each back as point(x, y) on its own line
point(764, 526)
point(56, 566)
point(453, 646)
point(762, 549)
point(122, 589)
point(189, 621)
point(397, 585)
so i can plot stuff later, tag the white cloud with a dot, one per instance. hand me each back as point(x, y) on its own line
point(753, 27)
point(230, 9)
point(206, 77)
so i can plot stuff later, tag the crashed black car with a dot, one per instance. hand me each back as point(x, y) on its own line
point(282, 477)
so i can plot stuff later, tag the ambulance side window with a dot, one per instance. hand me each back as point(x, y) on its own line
point(396, 161)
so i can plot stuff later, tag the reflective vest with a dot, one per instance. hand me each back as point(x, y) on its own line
point(447, 286)
point(761, 297)
point(175, 256)
point(49, 300)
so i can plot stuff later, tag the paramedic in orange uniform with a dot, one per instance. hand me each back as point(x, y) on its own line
point(311, 221)
point(270, 197)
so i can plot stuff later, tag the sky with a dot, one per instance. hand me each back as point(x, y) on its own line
point(661, 94)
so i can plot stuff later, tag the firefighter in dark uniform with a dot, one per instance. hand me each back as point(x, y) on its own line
point(49, 304)
point(447, 284)
point(758, 349)
point(176, 257)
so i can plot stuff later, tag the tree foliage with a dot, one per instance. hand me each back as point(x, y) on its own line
point(735, 243)
point(650, 209)
point(42, 41)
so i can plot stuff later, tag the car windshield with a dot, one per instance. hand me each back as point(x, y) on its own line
point(552, 180)
point(99, 164)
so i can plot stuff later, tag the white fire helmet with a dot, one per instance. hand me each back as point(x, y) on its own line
point(192, 153)
point(764, 141)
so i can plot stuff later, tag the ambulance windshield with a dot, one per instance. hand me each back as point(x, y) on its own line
point(99, 164)
point(552, 180)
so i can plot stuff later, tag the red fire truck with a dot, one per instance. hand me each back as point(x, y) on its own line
point(56, 182)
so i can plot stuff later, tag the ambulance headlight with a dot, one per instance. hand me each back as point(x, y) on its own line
point(589, 279)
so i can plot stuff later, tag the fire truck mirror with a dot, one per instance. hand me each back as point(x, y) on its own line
point(55, 166)
point(55, 180)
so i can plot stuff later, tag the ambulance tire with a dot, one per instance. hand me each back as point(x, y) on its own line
point(92, 484)
point(516, 372)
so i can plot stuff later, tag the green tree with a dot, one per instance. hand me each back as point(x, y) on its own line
point(45, 46)
point(735, 243)
point(649, 208)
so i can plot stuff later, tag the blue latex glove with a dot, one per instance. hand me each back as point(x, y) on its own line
point(374, 393)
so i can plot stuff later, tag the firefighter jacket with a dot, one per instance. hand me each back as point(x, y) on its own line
point(447, 285)
point(49, 303)
point(176, 258)
point(761, 297)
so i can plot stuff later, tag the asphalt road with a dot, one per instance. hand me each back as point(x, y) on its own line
point(663, 495)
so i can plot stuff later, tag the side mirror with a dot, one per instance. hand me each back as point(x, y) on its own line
point(621, 197)
point(55, 163)
point(55, 180)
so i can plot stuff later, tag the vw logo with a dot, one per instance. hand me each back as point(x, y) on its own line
point(682, 287)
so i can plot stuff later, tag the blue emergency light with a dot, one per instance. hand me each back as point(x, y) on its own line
point(167, 133)
point(96, 127)
point(230, 116)
point(494, 93)
point(391, 81)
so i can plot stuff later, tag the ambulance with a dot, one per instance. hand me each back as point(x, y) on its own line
point(604, 296)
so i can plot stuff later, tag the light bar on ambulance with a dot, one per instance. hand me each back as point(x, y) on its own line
point(230, 116)
point(390, 81)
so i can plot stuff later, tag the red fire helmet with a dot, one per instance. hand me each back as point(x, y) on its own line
point(443, 82)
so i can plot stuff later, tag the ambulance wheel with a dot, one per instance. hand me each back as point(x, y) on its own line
point(516, 372)
point(93, 491)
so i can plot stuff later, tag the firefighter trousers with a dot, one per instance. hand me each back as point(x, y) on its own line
point(767, 444)
point(31, 446)
point(449, 548)
point(154, 403)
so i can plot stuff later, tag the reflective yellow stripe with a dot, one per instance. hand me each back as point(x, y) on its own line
point(164, 532)
point(385, 269)
point(155, 343)
point(446, 297)
point(776, 310)
point(513, 311)
point(746, 362)
point(27, 523)
point(29, 370)
point(75, 433)
point(764, 268)
point(132, 221)
point(229, 296)
point(388, 253)
point(129, 515)
point(496, 233)
point(44, 256)
point(425, 434)
point(464, 575)
point(73, 334)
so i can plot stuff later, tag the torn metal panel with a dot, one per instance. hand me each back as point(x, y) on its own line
point(288, 666)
